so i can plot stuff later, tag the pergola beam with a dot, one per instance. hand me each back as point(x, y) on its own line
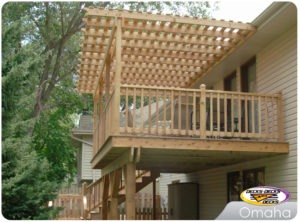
point(166, 18)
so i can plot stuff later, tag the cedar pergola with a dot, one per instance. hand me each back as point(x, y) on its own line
point(133, 48)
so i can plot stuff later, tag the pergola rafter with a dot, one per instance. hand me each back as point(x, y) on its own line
point(156, 50)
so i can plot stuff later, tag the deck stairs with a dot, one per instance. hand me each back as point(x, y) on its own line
point(98, 190)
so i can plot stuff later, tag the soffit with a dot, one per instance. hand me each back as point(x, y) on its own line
point(157, 50)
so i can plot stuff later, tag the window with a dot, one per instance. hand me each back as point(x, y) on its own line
point(238, 181)
point(253, 178)
point(234, 186)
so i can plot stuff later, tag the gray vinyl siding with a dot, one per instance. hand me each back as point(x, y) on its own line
point(276, 71)
point(87, 173)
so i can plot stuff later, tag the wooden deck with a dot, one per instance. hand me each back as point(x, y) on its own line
point(180, 155)
point(192, 129)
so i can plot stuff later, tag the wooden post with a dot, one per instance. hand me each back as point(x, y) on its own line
point(202, 111)
point(130, 188)
point(280, 118)
point(114, 187)
point(116, 97)
point(107, 78)
point(84, 201)
point(95, 125)
point(154, 199)
point(104, 209)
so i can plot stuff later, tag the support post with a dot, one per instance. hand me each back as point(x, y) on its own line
point(104, 209)
point(116, 96)
point(84, 201)
point(114, 187)
point(202, 111)
point(130, 188)
point(154, 199)
point(107, 78)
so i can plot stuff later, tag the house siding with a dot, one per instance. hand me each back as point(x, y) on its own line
point(87, 173)
point(276, 71)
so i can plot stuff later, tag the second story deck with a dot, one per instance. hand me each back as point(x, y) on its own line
point(181, 130)
point(141, 69)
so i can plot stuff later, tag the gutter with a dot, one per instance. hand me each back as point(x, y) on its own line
point(80, 140)
point(269, 13)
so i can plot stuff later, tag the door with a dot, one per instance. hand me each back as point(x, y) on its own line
point(248, 84)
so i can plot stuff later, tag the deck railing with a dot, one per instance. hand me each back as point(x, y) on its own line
point(198, 113)
point(201, 113)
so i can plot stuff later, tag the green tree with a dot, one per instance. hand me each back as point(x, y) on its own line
point(38, 99)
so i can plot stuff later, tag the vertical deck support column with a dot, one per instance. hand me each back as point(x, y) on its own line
point(114, 187)
point(107, 78)
point(154, 199)
point(116, 97)
point(202, 111)
point(84, 201)
point(130, 188)
point(104, 209)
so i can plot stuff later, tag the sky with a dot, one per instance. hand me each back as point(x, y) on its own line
point(240, 11)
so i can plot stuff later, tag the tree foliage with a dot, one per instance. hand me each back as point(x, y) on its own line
point(40, 45)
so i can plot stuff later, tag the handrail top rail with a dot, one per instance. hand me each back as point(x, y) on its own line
point(199, 90)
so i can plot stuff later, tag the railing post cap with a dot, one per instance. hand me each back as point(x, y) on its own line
point(202, 86)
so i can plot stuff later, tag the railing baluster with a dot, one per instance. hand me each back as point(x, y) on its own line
point(126, 110)
point(266, 117)
point(134, 110)
point(211, 111)
point(232, 115)
point(225, 113)
point(280, 117)
point(179, 112)
point(273, 118)
point(259, 117)
point(149, 112)
point(253, 116)
point(218, 114)
point(157, 110)
point(246, 115)
point(194, 113)
point(165, 113)
point(142, 111)
point(186, 113)
point(202, 111)
point(172, 111)
point(240, 114)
